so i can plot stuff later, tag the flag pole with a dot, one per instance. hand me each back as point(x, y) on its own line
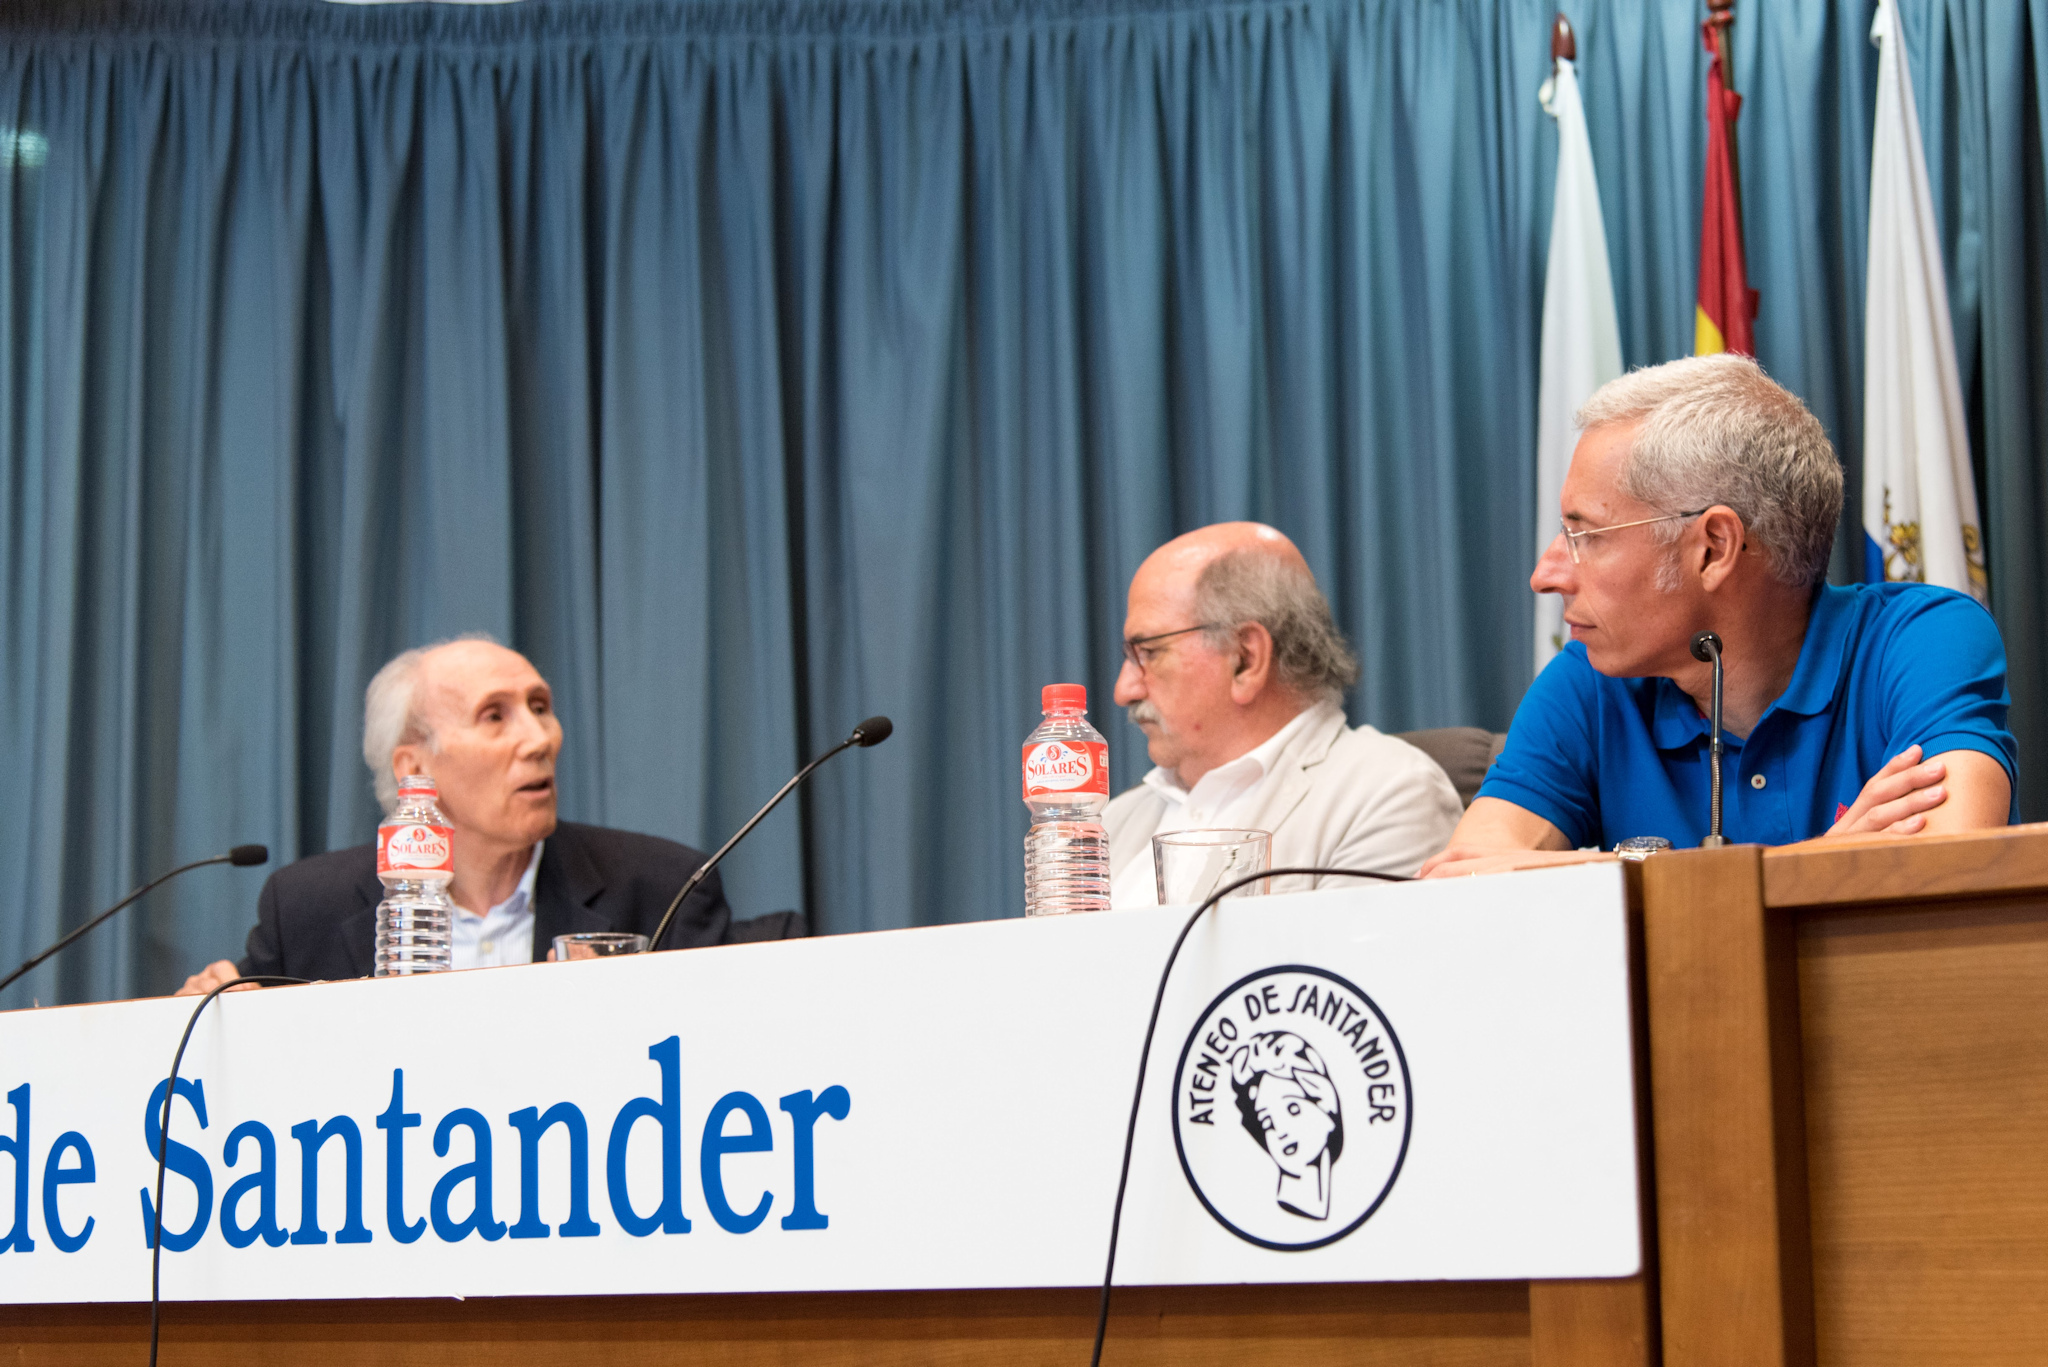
point(1562, 43)
point(1720, 18)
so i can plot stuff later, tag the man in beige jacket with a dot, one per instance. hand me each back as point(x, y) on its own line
point(1235, 671)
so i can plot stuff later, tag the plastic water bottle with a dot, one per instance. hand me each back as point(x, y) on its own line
point(415, 861)
point(1066, 786)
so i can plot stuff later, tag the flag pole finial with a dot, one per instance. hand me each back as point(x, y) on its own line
point(1562, 43)
point(1720, 18)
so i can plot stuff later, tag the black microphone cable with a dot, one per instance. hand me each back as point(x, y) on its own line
point(163, 1148)
point(1152, 1024)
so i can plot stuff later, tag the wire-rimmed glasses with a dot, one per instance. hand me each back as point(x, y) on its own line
point(1572, 538)
point(1139, 649)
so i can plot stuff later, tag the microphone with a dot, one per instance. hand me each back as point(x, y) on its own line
point(873, 731)
point(241, 856)
point(1707, 646)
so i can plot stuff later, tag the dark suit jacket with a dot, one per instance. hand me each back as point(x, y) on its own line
point(317, 918)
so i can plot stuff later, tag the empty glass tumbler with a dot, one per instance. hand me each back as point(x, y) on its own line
point(1190, 866)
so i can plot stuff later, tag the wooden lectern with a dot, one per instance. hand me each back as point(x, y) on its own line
point(1845, 1062)
point(1849, 1083)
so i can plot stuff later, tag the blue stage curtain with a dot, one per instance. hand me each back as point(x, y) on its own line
point(758, 366)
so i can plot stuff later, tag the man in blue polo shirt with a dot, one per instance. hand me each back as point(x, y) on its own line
point(1702, 496)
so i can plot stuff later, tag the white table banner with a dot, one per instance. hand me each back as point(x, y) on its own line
point(1390, 1083)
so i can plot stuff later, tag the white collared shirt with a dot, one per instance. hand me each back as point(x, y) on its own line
point(502, 935)
point(1219, 799)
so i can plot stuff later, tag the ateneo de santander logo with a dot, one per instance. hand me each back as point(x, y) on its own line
point(1058, 766)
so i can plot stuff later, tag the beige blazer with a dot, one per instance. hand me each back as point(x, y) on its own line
point(1349, 798)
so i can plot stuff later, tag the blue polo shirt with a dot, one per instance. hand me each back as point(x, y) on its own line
point(1884, 667)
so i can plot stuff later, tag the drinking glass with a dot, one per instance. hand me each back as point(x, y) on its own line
point(598, 944)
point(1188, 866)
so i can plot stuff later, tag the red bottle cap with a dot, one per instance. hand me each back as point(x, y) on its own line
point(1063, 697)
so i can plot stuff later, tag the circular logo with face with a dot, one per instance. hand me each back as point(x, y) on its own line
point(1291, 1108)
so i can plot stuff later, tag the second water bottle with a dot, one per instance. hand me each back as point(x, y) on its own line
point(1066, 786)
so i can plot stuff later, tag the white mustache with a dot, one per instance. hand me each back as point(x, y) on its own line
point(1143, 711)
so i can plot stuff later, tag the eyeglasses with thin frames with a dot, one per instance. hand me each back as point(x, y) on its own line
point(1572, 538)
point(1139, 649)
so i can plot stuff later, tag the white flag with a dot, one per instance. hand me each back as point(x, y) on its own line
point(1919, 501)
point(1581, 335)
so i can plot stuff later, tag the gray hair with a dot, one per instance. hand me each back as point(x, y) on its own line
point(391, 715)
point(1245, 586)
point(1716, 429)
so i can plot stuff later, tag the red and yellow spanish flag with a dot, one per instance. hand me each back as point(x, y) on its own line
point(1727, 305)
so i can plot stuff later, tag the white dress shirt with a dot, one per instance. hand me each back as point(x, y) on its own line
point(1332, 796)
point(502, 935)
point(1224, 798)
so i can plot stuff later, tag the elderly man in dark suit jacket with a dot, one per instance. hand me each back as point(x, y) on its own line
point(480, 720)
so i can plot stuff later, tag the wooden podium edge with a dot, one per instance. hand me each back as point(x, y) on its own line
point(1874, 869)
point(1735, 1264)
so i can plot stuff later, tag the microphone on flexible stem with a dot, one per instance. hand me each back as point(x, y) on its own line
point(241, 856)
point(1707, 646)
point(873, 731)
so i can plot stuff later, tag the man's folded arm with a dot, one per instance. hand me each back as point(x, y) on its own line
point(1495, 835)
point(1948, 792)
point(1979, 793)
point(1945, 692)
point(1968, 791)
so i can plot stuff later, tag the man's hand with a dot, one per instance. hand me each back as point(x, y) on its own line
point(212, 976)
point(1957, 790)
point(1896, 798)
